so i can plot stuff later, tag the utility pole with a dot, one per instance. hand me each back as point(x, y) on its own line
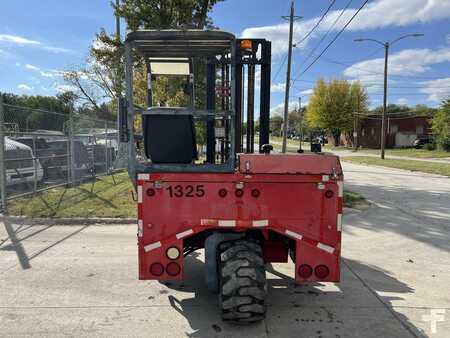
point(300, 136)
point(383, 118)
point(288, 77)
point(386, 46)
point(355, 123)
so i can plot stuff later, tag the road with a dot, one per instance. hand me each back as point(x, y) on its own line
point(82, 280)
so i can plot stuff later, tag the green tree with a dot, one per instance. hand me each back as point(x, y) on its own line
point(101, 79)
point(276, 123)
point(441, 126)
point(332, 106)
point(37, 117)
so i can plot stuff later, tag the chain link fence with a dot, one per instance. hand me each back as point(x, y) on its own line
point(40, 150)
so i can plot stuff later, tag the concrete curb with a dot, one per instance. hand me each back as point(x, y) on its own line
point(23, 220)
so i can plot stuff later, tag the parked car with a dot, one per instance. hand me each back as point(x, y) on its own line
point(53, 155)
point(21, 164)
point(421, 140)
point(99, 155)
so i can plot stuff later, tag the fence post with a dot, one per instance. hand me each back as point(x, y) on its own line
point(106, 148)
point(2, 158)
point(73, 178)
point(34, 164)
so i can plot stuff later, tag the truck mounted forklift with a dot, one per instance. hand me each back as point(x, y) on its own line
point(244, 208)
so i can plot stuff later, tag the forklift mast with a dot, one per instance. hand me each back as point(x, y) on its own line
point(230, 66)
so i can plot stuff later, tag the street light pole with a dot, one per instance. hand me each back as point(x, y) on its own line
point(383, 118)
point(300, 136)
point(386, 46)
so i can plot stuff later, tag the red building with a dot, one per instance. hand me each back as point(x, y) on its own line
point(401, 130)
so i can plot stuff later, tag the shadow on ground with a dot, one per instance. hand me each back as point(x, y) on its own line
point(14, 240)
point(421, 216)
point(352, 308)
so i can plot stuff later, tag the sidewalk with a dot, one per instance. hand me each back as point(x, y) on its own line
point(343, 153)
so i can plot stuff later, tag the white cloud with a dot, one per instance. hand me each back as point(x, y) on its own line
point(402, 101)
point(307, 92)
point(43, 73)
point(378, 14)
point(279, 109)
point(21, 41)
point(408, 62)
point(47, 74)
point(64, 88)
point(437, 90)
point(17, 40)
point(277, 87)
point(25, 87)
point(28, 66)
point(58, 50)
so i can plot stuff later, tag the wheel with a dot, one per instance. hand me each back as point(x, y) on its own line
point(242, 282)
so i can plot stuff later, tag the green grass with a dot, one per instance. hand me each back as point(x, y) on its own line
point(104, 198)
point(423, 166)
point(354, 200)
point(404, 152)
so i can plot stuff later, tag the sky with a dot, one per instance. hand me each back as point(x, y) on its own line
point(41, 39)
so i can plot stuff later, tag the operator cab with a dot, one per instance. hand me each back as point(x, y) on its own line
point(203, 73)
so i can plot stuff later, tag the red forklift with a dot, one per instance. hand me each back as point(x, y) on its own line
point(201, 185)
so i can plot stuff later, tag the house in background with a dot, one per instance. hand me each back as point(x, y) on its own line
point(401, 130)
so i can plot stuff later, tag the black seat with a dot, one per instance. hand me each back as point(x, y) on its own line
point(170, 138)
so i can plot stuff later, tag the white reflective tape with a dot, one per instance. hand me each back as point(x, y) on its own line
point(144, 177)
point(140, 228)
point(227, 223)
point(261, 223)
point(139, 193)
point(339, 222)
point(325, 247)
point(152, 246)
point(340, 188)
point(208, 222)
point(293, 234)
point(184, 233)
point(325, 178)
point(320, 186)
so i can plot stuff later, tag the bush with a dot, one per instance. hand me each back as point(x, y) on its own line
point(430, 146)
point(441, 126)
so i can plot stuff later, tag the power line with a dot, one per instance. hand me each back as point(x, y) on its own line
point(328, 31)
point(279, 68)
point(345, 64)
point(334, 39)
point(316, 25)
point(282, 62)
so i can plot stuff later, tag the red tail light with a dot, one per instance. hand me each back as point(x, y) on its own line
point(156, 269)
point(329, 193)
point(173, 269)
point(150, 192)
point(223, 192)
point(305, 271)
point(255, 193)
point(321, 271)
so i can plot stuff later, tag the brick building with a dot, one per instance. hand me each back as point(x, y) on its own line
point(402, 130)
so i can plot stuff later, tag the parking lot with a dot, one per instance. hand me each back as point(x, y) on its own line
point(82, 280)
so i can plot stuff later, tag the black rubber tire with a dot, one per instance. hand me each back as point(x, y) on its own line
point(242, 282)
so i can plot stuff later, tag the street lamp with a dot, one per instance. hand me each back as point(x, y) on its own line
point(386, 46)
point(300, 150)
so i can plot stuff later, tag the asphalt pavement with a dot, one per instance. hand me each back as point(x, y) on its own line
point(82, 280)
